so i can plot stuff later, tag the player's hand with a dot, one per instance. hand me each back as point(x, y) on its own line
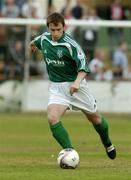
point(33, 48)
point(74, 88)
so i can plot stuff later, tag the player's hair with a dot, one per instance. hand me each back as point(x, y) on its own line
point(55, 18)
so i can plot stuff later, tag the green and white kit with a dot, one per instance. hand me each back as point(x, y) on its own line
point(64, 59)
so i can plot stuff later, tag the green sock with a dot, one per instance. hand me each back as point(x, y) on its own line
point(102, 130)
point(61, 135)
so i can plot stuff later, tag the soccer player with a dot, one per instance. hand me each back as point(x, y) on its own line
point(67, 69)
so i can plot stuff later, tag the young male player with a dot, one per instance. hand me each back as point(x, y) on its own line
point(67, 68)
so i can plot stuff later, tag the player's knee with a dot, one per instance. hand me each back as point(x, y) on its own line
point(52, 119)
point(94, 118)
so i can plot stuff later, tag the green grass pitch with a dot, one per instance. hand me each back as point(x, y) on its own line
point(28, 151)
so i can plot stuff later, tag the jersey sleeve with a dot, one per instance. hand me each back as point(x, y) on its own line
point(80, 58)
point(37, 42)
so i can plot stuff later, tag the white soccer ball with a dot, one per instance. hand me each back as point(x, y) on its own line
point(68, 158)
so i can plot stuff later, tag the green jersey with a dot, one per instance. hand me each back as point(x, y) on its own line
point(64, 58)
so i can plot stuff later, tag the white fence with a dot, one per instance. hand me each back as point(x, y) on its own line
point(71, 22)
point(111, 96)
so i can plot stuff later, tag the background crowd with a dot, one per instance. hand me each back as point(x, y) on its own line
point(109, 61)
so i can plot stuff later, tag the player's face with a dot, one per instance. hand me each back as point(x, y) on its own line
point(56, 31)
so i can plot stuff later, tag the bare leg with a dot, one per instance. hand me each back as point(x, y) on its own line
point(55, 112)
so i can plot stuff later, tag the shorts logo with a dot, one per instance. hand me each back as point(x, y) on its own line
point(59, 53)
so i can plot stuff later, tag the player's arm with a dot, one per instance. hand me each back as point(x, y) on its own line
point(33, 47)
point(35, 44)
point(82, 68)
point(76, 84)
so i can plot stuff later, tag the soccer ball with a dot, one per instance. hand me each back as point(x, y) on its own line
point(68, 158)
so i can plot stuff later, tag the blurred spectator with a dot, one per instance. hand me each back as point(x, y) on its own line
point(3, 43)
point(16, 37)
point(96, 65)
point(12, 39)
point(34, 28)
point(103, 11)
point(77, 10)
point(10, 9)
point(35, 13)
point(37, 67)
point(66, 6)
point(16, 50)
point(35, 70)
point(99, 70)
point(120, 62)
point(1, 5)
point(127, 12)
point(116, 13)
point(68, 15)
point(20, 3)
point(90, 34)
point(2, 71)
point(35, 6)
point(16, 32)
point(51, 9)
point(12, 73)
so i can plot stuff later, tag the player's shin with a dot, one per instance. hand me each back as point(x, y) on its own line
point(102, 130)
point(61, 135)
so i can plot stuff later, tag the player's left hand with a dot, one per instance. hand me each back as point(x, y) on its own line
point(74, 88)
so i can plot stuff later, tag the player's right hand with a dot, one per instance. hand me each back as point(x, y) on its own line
point(33, 48)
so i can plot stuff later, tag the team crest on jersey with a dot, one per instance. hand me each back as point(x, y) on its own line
point(80, 54)
point(45, 51)
point(59, 53)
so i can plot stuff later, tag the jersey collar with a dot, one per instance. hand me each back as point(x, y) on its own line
point(60, 39)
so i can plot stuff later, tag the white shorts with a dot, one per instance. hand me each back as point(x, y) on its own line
point(80, 100)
